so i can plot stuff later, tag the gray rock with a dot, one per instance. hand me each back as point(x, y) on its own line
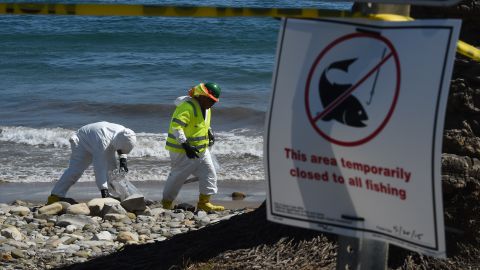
point(20, 210)
point(77, 220)
point(65, 206)
point(83, 254)
point(12, 233)
point(51, 209)
point(174, 224)
point(204, 221)
point(201, 214)
point(178, 216)
point(67, 248)
point(71, 228)
point(157, 211)
point(134, 203)
point(145, 219)
point(238, 195)
point(175, 231)
point(103, 236)
point(111, 208)
point(96, 205)
point(17, 244)
point(17, 254)
point(117, 217)
point(189, 215)
point(146, 212)
point(125, 237)
point(78, 209)
point(5, 207)
point(185, 207)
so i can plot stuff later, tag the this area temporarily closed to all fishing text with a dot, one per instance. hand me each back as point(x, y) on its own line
point(366, 176)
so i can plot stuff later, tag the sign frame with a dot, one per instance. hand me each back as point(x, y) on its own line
point(439, 248)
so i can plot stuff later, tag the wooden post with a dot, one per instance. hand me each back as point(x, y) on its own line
point(359, 253)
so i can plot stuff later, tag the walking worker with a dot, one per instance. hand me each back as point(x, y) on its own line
point(189, 137)
point(97, 143)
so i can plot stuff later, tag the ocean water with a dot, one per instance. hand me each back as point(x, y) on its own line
point(59, 73)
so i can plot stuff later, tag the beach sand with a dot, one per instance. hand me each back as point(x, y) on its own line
point(152, 190)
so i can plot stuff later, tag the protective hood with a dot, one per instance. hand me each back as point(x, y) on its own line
point(125, 141)
point(181, 99)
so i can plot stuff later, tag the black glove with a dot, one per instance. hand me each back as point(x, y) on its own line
point(123, 164)
point(191, 151)
point(105, 193)
point(211, 138)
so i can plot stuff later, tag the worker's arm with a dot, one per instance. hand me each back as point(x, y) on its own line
point(102, 163)
point(211, 137)
point(181, 118)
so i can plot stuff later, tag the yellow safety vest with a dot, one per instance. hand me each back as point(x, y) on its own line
point(188, 116)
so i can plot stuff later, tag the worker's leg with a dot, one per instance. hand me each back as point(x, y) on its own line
point(182, 167)
point(79, 161)
point(207, 183)
point(207, 176)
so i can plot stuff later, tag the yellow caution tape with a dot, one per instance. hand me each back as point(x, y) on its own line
point(468, 50)
point(390, 17)
point(462, 47)
point(191, 11)
point(168, 11)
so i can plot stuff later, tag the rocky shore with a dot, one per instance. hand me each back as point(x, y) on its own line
point(44, 237)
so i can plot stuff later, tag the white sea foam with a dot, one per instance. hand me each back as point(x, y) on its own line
point(42, 154)
point(56, 137)
point(148, 144)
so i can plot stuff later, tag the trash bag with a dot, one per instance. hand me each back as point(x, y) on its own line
point(120, 187)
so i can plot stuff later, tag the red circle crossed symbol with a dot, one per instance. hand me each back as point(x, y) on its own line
point(392, 54)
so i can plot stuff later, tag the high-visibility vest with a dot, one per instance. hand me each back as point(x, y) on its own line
point(188, 116)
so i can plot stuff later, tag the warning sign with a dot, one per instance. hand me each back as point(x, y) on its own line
point(354, 129)
point(340, 88)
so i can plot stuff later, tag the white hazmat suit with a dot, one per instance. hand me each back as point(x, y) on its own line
point(97, 143)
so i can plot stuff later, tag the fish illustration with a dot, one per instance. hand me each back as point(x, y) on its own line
point(350, 111)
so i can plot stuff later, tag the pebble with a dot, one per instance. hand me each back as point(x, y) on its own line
point(44, 237)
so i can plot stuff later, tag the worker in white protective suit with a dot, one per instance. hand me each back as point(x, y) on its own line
point(189, 137)
point(95, 143)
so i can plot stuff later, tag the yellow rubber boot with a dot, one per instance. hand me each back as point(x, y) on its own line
point(52, 198)
point(205, 205)
point(167, 204)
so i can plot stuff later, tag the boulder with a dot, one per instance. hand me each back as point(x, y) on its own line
point(113, 208)
point(134, 203)
point(20, 211)
point(78, 220)
point(96, 205)
point(51, 209)
point(12, 233)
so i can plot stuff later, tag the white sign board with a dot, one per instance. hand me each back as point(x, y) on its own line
point(354, 129)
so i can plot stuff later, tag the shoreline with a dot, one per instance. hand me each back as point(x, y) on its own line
point(35, 236)
point(37, 192)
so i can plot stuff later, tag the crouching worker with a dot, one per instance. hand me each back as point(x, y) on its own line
point(188, 139)
point(95, 143)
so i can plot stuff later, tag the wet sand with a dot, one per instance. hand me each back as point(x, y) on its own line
point(152, 190)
